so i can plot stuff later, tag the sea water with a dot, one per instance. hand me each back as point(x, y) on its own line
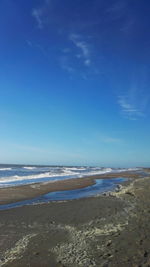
point(14, 175)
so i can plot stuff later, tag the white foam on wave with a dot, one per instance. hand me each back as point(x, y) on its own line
point(133, 169)
point(5, 169)
point(29, 168)
point(68, 171)
point(127, 169)
point(75, 168)
point(18, 178)
point(96, 172)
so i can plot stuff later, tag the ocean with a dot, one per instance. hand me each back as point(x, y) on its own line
point(14, 175)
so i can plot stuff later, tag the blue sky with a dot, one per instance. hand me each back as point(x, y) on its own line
point(74, 82)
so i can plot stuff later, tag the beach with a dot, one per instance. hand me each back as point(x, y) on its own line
point(111, 229)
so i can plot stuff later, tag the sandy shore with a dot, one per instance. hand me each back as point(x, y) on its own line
point(19, 193)
point(109, 230)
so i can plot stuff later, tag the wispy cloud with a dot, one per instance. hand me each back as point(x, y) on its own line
point(128, 26)
point(29, 43)
point(66, 50)
point(111, 140)
point(117, 10)
point(39, 13)
point(65, 64)
point(103, 139)
point(72, 55)
point(134, 101)
point(83, 48)
point(36, 46)
point(132, 104)
point(117, 7)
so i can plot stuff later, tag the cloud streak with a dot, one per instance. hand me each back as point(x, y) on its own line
point(112, 140)
point(129, 109)
point(83, 48)
point(132, 104)
point(117, 10)
point(65, 65)
point(39, 13)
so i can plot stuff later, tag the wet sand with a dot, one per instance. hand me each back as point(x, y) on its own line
point(20, 193)
point(110, 230)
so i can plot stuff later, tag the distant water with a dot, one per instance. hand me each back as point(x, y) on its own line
point(13, 175)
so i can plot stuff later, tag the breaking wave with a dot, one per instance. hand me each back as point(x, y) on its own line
point(5, 169)
point(29, 168)
point(47, 174)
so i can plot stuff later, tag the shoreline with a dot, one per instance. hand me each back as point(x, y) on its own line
point(14, 194)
